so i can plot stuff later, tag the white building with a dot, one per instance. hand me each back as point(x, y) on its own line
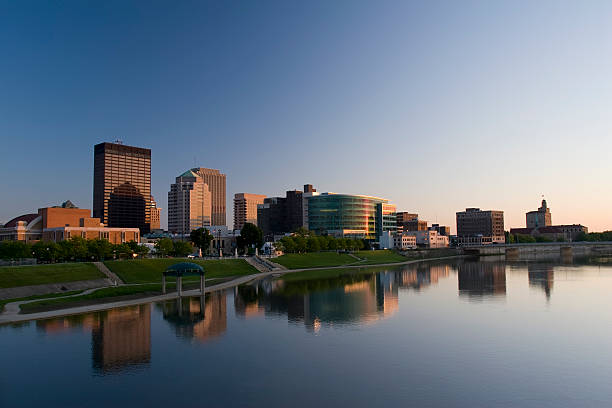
point(404, 241)
point(429, 239)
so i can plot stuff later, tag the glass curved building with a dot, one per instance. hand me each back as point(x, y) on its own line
point(349, 215)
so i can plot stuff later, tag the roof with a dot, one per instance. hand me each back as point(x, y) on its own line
point(189, 173)
point(184, 269)
point(26, 217)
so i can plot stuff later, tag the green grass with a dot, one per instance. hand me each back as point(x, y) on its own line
point(48, 295)
point(150, 270)
point(105, 293)
point(380, 257)
point(13, 276)
point(314, 260)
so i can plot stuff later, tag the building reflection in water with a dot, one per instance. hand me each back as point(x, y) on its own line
point(355, 297)
point(477, 279)
point(120, 338)
point(541, 276)
point(197, 318)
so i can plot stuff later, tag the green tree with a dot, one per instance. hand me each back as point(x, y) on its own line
point(303, 232)
point(99, 249)
point(250, 236)
point(289, 244)
point(359, 245)
point(332, 243)
point(46, 251)
point(164, 247)
point(509, 238)
point(122, 251)
point(181, 249)
point(201, 238)
point(15, 250)
point(301, 245)
point(525, 239)
point(312, 244)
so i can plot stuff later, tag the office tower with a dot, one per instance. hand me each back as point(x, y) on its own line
point(122, 186)
point(245, 208)
point(155, 215)
point(216, 185)
point(189, 203)
point(477, 227)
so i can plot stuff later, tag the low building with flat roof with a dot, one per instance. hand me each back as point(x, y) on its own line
point(63, 222)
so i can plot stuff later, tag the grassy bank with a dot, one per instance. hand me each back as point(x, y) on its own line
point(13, 276)
point(379, 257)
point(314, 260)
point(48, 295)
point(150, 270)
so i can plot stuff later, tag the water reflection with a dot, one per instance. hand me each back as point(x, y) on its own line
point(480, 279)
point(120, 338)
point(197, 318)
point(541, 276)
point(355, 297)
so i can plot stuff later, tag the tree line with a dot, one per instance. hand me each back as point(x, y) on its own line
point(303, 241)
point(71, 250)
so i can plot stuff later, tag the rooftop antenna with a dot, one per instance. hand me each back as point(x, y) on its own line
point(118, 141)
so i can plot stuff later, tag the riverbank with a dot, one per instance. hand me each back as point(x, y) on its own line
point(12, 310)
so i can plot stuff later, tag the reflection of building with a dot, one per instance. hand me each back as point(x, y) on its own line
point(122, 338)
point(197, 318)
point(61, 223)
point(481, 279)
point(122, 186)
point(245, 208)
point(478, 227)
point(541, 276)
point(354, 297)
point(419, 276)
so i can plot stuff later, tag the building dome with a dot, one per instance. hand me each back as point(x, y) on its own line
point(26, 217)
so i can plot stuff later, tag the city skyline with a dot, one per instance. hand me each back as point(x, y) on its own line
point(503, 103)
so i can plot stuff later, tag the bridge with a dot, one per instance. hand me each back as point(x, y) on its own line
point(560, 248)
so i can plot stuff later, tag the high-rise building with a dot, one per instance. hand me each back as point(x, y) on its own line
point(539, 218)
point(122, 186)
point(189, 203)
point(216, 185)
point(245, 208)
point(409, 222)
point(478, 227)
point(279, 215)
point(155, 215)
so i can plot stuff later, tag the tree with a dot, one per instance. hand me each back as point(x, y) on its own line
point(301, 245)
point(164, 247)
point(46, 251)
point(99, 249)
point(181, 249)
point(123, 250)
point(332, 243)
point(303, 232)
point(312, 244)
point(15, 250)
point(250, 236)
point(288, 244)
point(201, 238)
point(323, 242)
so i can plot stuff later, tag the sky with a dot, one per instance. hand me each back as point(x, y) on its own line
point(435, 105)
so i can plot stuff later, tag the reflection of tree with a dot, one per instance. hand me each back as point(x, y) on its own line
point(477, 279)
point(356, 296)
point(197, 318)
point(541, 276)
point(127, 208)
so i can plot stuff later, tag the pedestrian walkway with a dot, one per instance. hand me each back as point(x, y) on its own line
point(111, 275)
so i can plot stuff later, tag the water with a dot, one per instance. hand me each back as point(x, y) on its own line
point(461, 334)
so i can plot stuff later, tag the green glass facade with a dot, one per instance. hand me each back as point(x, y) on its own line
point(350, 215)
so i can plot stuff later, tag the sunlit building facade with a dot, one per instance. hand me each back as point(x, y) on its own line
point(346, 215)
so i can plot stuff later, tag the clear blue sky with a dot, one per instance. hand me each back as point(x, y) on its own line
point(434, 105)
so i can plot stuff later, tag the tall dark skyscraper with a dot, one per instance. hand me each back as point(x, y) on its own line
point(122, 186)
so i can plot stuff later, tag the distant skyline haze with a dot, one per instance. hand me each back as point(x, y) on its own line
point(436, 106)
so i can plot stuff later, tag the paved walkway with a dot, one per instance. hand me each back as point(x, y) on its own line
point(11, 313)
point(111, 275)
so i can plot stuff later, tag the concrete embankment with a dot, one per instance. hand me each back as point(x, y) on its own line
point(25, 291)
